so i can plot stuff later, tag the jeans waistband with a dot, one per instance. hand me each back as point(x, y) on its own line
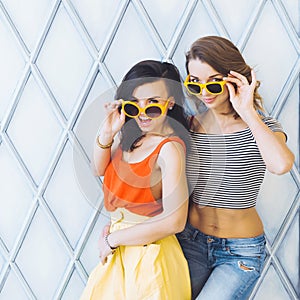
point(197, 234)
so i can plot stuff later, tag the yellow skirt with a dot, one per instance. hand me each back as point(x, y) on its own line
point(157, 271)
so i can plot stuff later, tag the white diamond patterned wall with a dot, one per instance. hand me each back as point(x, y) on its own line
point(56, 58)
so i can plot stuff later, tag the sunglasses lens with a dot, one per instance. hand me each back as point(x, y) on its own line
point(131, 110)
point(194, 88)
point(214, 88)
point(153, 111)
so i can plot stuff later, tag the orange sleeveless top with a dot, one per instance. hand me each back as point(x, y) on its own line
point(128, 185)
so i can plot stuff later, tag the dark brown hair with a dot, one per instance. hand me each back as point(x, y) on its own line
point(222, 55)
point(149, 71)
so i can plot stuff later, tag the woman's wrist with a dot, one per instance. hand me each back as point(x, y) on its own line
point(105, 145)
point(104, 139)
point(108, 243)
point(250, 116)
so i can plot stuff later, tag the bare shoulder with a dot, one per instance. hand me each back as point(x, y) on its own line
point(197, 122)
point(172, 150)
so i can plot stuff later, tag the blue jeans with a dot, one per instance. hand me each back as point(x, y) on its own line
point(222, 268)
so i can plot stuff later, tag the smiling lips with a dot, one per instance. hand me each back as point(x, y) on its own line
point(144, 121)
point(208, 100)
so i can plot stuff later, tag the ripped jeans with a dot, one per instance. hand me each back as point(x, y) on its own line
point(222, 268)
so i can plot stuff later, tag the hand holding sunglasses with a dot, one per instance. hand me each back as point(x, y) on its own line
point(113, 120)
point(152, 111)
point(241, 93)
point(196, 88)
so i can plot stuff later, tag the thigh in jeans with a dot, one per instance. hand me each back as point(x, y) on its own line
point(195, 252)
point(236, 272)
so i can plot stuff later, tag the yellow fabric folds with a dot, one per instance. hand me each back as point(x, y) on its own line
point(157, 271)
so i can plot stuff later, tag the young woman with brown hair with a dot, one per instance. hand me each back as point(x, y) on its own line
point(234, 144)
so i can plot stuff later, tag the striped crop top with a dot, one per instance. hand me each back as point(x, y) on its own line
point(226, 170)
point(128, 185)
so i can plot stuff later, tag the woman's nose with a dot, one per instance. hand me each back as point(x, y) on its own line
point(204, 92)
point(142, 103)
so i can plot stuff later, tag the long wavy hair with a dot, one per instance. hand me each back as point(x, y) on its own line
point(222, 55)
point(149, 71)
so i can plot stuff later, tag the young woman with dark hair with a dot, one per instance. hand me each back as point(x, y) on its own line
point(145, 188)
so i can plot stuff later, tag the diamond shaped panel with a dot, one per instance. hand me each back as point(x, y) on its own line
point(199, 24)
point(16, 198)
point(90, 120)
point(98, 17)
point(42, 247)
point(12, 288)
point(236, 25)
point(74, 287)
point(90, 255)
point(265, 52)
point(31, 23)
point(272, 287)
point(12, 64)
point(64, 61)
point(76, 210)
point(34, 130)
point(292, 7)
point(278, 193)
point(165, 18)
point(289, 117)
point(288, 253)
point(131, 41)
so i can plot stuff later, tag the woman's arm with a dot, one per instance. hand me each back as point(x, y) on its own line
point(110, 126)
point(175, 204)
point(272, 145)
point(102, 155)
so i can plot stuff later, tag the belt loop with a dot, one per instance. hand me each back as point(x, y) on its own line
point(195, 234)
point(224, 243)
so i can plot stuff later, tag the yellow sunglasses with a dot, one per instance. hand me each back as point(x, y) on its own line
point(213, 87)
point(152, 111)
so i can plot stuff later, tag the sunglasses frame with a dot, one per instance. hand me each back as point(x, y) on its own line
point(204, 86)
point(163, 108)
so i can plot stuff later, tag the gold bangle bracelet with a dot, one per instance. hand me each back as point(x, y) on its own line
point(104, 146)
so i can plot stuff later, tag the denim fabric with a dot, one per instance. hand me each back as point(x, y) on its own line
point(222, 268)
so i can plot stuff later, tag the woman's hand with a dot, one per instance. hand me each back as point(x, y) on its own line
point(278, 161)
point(110, 126)
point(104, 249)
point(242, 99)
point(114, 119)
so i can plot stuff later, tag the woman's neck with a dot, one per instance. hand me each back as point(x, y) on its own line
point(215, 122)
point(163, 131)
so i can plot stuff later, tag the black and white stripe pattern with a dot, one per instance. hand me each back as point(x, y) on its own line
point(227, 170)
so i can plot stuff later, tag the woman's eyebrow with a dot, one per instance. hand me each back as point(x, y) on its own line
point(148, 98)
point(215, 75)
point(211, 76)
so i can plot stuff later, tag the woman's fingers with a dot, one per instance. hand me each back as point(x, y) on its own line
point(241, 80)
point(236, 78)
point(112, 106)
point(103, 259)
point(254, 81)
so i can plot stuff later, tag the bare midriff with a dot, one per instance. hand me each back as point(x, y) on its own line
point(226, 223)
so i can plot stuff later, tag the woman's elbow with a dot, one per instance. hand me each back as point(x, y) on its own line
point(284, 166)
point(178, 225)
point(180, 217)
point(98, 173)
